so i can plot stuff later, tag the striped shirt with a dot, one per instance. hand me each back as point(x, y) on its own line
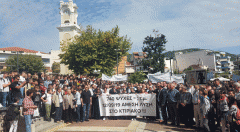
point(173, 96)
point(186, 98)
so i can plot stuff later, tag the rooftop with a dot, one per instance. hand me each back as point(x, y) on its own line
point(20, 49)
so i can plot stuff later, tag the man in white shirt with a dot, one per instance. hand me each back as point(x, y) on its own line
point(47, 98)
point(78, 104)
point(23, 79)
point(5, 89)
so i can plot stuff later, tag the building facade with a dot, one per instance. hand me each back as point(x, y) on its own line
point(67, 31)
point(224, 63)
point(203, 57)
point(219, 62)
point(9, 51)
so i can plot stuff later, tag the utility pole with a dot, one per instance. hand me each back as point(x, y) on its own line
point(17, 63)
point(117, 62)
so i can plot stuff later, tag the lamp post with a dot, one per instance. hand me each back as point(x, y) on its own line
point(17, 59)
point(117, 50)
point(170, 67)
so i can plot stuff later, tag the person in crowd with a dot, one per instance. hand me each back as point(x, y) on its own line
point(58, 103)
point(5, 89)
point(132, 91)
point(23, 77)
point(68, 106)
point(96, 107)
point(217, 96)
point(47, 99)
point(173, 98)
point(37, 97)
point(14, 113)
point(47, 82)
point(42, 87)
point(196, 107)
point(205, 107)
point(157, 91)
point(211, 113)
point(223, 105)
point(86, 101)
point(78, 104)
point(163, 101)
point(185, 104)
point(15, 87)
point(232, 113)
point(237, 94)
point(28, 109)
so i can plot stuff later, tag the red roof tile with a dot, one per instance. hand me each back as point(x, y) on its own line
point(129, 63)
point(20, 49)
point(138, 52)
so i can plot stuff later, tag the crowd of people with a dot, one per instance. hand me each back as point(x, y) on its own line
point(212, 106)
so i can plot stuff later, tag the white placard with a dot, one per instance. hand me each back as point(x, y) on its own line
point(128, 105)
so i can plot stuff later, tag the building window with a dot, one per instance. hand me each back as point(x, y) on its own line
point(1, 67)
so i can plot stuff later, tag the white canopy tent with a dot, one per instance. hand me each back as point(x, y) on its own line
point(220, 78)
point(114, 78)
point(159, 77)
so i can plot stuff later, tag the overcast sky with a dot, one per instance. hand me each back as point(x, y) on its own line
point(207, 24)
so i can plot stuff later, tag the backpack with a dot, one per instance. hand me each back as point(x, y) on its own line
point(11, 114)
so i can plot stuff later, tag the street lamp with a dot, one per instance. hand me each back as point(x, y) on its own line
point(96, 71)
point(170, 66)
point(117, 50)
point(17, 58)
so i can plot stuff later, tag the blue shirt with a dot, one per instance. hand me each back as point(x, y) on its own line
point(173, 96)
point(186, 97)
point(46, 83)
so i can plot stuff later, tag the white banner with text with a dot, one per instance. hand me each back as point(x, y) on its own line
point(128, 105)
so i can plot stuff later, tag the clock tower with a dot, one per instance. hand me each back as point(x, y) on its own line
point(68, 28)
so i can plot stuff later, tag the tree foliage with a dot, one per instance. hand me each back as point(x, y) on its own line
point(30, 63)
point(95, 50)
point(154, 47)
point(56, 67)
point(138, 77)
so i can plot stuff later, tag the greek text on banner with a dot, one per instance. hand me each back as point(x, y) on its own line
point(128, 105)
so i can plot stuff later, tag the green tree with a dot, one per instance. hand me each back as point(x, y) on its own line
point(138, 76)
point(154, 47)
point(190, 68)
point(29, 63)
point(95, 50)
point(56, 67)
